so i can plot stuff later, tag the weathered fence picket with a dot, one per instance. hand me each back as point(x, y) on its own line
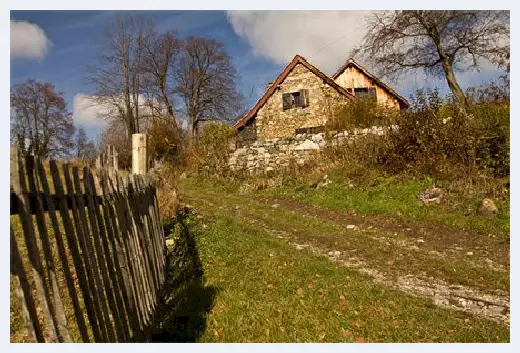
point(87, 260)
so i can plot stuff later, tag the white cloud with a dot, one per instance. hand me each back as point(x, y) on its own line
point(28, 40)
point(88, 113)
point(325, 38)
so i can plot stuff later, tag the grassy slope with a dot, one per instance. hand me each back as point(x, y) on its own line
point(398, 198)
point(271, 292)
point(375, 246)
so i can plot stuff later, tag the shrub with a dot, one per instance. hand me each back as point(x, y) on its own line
point(361, 114)
point(435, 139)
point(165, 141)
point(209, 156)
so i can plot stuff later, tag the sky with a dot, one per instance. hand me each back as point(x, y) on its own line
point(57, 46)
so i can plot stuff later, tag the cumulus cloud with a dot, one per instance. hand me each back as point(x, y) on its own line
point(28, 40)
point(325, 38)
point(88, 113)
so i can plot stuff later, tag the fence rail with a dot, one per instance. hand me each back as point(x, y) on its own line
point(88, 258)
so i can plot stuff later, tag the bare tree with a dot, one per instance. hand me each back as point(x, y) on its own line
point(41, 125)
point(114, 135)
point(205, 79)
point(161, 55)
point(439, 42)
point(118, 75)
point(84, 148)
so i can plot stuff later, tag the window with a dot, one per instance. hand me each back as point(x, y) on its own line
point(365, 93)
point(298, 99)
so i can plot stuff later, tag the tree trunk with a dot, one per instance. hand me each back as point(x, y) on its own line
point(191, 130)
point(460, 98)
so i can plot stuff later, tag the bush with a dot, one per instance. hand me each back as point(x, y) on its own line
point(361, 114)
point(165, 141)
point(434, 139)
point(209, 156)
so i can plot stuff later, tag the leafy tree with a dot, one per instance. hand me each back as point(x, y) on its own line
point(439, 42)
point(41, 124)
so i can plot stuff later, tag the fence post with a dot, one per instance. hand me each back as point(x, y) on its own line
point(139, 154)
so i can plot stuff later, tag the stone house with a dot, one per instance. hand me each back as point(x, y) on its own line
point(287, 124)
point(298, 101)
point(302, 98)
point(357, 80)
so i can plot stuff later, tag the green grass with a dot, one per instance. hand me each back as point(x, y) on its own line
point(398, 198)
point(271, 292)
point(375, 246)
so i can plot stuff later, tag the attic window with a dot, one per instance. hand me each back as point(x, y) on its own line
point(365, 93)
point(298, 99)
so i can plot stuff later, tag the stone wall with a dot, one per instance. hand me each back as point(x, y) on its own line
point(278, 153)
point(273, 122)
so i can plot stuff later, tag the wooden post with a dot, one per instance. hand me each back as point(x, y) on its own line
point(139, 154)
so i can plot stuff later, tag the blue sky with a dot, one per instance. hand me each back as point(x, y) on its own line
point(260, 44)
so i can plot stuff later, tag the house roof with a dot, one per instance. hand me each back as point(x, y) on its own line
point(351, 62)
point(272, 88)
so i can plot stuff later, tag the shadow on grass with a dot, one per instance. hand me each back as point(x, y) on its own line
point(181, 314)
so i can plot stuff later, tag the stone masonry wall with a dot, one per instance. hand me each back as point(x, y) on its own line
point(275, 154)
point(272, 122)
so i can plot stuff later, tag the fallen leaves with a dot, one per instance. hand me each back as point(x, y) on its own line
point(346, 333)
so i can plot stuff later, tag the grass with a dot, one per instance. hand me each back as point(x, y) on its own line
point(397, 197)
point(271, 292)
point(394, 253)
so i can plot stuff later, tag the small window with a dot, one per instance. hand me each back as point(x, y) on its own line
point(365, 93)
point(298, 99)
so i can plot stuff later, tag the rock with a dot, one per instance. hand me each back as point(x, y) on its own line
point(432, 195)
point(307, 145)
point(275, 205)
point(337, 253)
point(487, 208)
point(351, 226)
point(420, 240)
point(469, 253)
point(321, 183)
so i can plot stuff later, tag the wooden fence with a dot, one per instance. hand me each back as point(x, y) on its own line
point(87, 253)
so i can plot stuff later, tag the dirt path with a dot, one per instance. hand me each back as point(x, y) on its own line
point(458, 297)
